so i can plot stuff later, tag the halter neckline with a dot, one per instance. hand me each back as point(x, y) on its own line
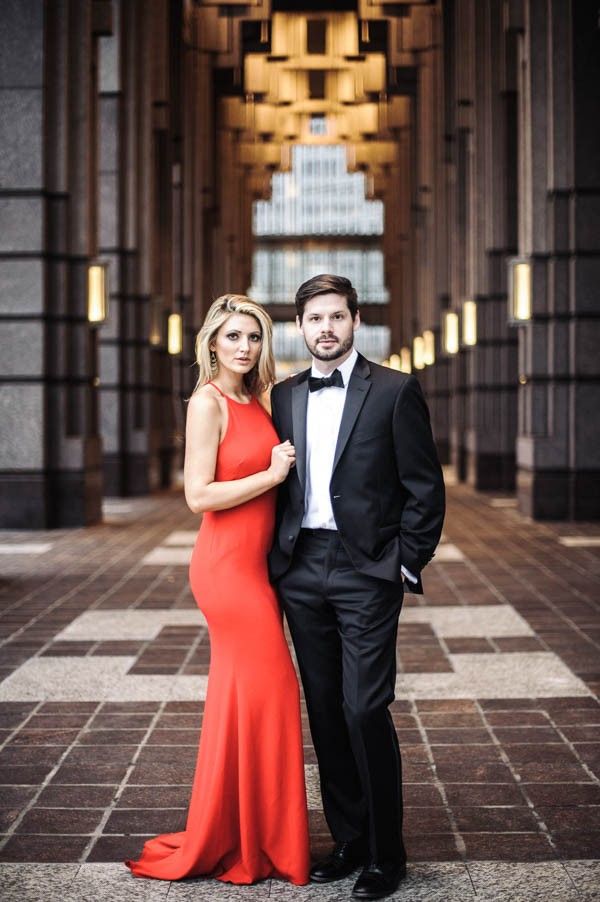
point(233, 400)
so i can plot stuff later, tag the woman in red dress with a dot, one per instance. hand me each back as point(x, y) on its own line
point(247, 817)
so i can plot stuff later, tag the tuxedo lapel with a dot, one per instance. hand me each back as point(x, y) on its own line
point(299, 404)
point(358, 389)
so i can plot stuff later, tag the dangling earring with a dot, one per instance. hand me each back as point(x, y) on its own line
point(213, 362)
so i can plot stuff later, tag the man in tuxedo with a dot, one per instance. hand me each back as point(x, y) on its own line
point(358, 517)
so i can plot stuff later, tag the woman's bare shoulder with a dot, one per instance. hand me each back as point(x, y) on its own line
point(206, 401)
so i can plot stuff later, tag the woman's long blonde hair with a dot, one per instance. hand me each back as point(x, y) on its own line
point(262, 376)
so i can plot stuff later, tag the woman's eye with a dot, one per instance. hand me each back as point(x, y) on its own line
point(232, 336)
point(256, 338)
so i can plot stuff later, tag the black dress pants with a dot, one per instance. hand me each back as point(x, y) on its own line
point(344, 625)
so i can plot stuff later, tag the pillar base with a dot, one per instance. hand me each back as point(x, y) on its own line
point(443, 450)
point(126, 475)
point(458, 459)
point(486, 472)
point(53, 500)
point(130, 475)
point(559, 494)
point(166, 459)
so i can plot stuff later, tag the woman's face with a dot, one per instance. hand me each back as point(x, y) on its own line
point(238, 343)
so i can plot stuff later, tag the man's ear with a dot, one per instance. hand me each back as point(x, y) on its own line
point(299, 324)
point(356, 323)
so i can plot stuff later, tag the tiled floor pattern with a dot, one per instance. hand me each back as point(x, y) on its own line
point(571, 881)
point(104, 662)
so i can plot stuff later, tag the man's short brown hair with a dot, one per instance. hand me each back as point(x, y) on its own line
point(326, 284)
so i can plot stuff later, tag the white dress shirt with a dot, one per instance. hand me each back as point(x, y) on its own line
point(323, 418)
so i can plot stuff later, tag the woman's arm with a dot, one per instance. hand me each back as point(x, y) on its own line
point(203, 432)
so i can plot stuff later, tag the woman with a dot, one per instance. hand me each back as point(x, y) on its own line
point(247, 818)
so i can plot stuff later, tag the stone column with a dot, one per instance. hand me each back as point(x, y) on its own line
point(136, 232)
point(492, 368)
point(195, 197)
point(432, 220)
point(109, 163)
point(459, 84)
point(50, 451)
point(558, 448)
point(482, 218)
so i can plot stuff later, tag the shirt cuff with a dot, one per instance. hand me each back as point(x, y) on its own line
point(409, 576)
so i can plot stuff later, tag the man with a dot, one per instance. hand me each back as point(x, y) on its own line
point(363, 508)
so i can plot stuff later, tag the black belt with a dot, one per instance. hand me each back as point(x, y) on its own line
point(321, 533)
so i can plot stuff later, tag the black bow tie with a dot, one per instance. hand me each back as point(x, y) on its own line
point(314, 384)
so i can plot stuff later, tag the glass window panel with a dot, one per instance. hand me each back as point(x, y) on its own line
point(317, 199)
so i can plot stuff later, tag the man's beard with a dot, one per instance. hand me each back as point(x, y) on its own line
point(331, 353)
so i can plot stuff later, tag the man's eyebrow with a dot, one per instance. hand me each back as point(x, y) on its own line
point(315, 313)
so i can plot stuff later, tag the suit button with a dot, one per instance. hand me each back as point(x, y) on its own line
point(336, 496)
point(291, 538)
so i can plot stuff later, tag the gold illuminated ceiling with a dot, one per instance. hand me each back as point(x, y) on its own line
point(312, 77)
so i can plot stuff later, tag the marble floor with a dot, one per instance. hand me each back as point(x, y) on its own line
point(103, 670)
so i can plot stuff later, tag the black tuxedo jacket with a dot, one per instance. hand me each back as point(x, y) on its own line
point(387, 489)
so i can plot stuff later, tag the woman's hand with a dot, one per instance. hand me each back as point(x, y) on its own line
point(282, 458)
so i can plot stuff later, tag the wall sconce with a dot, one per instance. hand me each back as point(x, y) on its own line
point(428, 347)
point(450, 335)
point(394, 362)
point(97, 292)
point(519, 290)
point(469, 334)
point(419, 353)
point(175, 334)
point(405, 361)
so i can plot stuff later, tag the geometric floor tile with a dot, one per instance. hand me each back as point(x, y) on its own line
point(443, 882)
point(128, 624)
point(446, 552)
point(484, 881)
point(117, 506)
point(580, 541)
point(313, 792)
point(96, 678)
point(35, 881)
point(514, 880)
point(481, 675)
point(25, 547)
point(103, 667)
point(167, 556)
point(462, 621)
point(514, 675)
point(586, 876)
point(447, 622)
point(181, 537)
point(97, 881)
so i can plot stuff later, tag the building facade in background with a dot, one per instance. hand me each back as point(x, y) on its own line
point(310, 226)
point(139, 138)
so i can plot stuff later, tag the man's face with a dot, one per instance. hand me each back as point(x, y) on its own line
point(328, 327)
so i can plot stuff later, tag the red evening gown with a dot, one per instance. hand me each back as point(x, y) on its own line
point(247, 818)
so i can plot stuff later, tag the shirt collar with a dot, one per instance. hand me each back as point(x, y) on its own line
point(345, 368)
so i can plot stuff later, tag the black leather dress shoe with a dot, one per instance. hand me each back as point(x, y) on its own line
point(345, 858)
point(379, 880)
